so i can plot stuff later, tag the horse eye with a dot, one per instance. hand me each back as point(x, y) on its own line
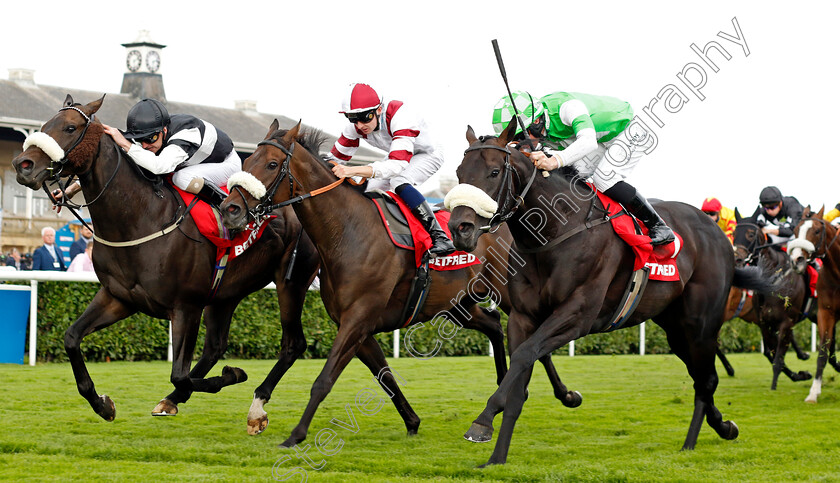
point(273, 165)
point(70, 129)
point(494, 173)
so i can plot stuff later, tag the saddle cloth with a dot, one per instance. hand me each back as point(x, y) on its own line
point(661, 259)
point(407, 232)
point(210, 225)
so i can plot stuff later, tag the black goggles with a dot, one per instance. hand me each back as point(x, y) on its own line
point(363, 117)
point(770, 206)
point(149, 139)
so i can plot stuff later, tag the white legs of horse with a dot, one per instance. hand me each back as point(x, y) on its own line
point(816, 389)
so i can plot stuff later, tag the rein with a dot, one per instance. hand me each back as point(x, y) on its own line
point(507, 182)
point(822, 240)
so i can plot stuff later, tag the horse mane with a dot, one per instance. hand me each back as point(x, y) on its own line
point(310, 138)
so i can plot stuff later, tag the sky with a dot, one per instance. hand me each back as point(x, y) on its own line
point(763, 118)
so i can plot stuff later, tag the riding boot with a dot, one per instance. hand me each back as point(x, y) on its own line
point(441, 244)
point(658, 231)
point(207, 191)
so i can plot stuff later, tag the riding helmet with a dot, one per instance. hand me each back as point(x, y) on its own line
point(147, 117)
point(711, 205)
point(529, 108)
point(770, 194)
point(360, 98)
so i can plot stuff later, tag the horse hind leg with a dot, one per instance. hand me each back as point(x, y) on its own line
point(486, 321)
point(570, 399)
point(103, 311)
point(730, 371)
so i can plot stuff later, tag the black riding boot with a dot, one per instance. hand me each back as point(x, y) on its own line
point(441, 244)
point(658, 231)
point(207, 191)
point(639, 207)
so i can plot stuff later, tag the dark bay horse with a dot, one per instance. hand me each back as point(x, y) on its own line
point(167, 277)
point(775, 313)
point(816, 238)
point(572, 288)
point(365, 278)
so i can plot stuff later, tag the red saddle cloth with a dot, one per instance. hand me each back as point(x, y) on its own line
point(813, 275)
point(422, 240)
point(209, 226)
point(662, 259)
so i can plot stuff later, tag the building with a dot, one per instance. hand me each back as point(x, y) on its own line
point(25, 106)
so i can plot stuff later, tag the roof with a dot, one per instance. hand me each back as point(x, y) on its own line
point(29, 105)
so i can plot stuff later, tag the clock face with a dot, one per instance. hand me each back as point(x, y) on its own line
point(134, 60)
point(153, 61)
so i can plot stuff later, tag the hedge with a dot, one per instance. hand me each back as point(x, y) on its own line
point(255, 332)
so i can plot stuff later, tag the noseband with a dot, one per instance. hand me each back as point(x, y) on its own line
point(506, 190)
point(819, 246)
point(264, 207)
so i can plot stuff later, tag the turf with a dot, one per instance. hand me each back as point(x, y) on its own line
point(631, 425)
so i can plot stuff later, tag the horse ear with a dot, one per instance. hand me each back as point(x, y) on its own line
point(68, 101)
point(821, 212)
point(92, 107)
point(738, 216)
point(471, 135)
point(806, 213)
point(509, 132)
point(290, 136)
point(274, 126)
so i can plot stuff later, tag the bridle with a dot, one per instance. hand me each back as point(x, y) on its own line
point(819, 246)
point(753, 248)
point(506, 194)
point(264, 207)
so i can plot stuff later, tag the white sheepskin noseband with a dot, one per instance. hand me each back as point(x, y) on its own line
point(46, 143)
point(802, 244)
point(248, 182)
point(471, 197)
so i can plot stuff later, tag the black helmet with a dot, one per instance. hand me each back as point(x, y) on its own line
point(147, 117)
point(770, 194)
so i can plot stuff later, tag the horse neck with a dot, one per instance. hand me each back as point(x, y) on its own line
point(332, 218)
point(120, 198)
point(832, 250)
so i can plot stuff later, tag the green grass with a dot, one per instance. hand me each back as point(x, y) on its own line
point(631, 425)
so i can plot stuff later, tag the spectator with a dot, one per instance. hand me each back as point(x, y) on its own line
point(78, 246)
point(83, 262)
point(13, 260)
point(48, 257)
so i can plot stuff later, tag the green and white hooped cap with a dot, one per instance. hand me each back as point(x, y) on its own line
point(530, 109)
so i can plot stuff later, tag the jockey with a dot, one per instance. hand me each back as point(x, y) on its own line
point(832, 216)
point(777, 215)
point(723, 216)
point(201, 156)
point(581, 130)
point(412, 156)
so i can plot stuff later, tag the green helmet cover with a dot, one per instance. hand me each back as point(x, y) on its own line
point(530, 109)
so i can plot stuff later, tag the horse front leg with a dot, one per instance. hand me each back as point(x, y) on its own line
point(350, 336)
point(185, 322)
point(826, 318)
point(103, 311)
point(785, 338)
point(487, 322)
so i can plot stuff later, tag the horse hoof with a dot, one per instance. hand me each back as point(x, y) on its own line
point(811, 400)
point(292, 441)
point(573, 399)
point(257, 426)
point(412, 432)
point(803, 376)
point(804, 357)
point(165, 408)
point(239, 374)
point(733, 431)
point(478, 433)
point(107, 410)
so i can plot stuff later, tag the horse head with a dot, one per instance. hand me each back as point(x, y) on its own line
point(491, 180)
point(747, 240)
point(812, 238)
point(65, 145)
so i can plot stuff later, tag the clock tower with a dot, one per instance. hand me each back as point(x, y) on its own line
point(142, 76)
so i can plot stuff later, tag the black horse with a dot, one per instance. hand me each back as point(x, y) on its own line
point(168, 276)
point(775, 313)
point(577, 270)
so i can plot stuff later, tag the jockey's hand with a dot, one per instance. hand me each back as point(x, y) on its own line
point(118, 137)
point(343, 171)
point(770, 229)
point(544, 162)
point(57, 195)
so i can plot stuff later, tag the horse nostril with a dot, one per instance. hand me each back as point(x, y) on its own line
point(233, 209)
point(25, 165)
point(465, 228)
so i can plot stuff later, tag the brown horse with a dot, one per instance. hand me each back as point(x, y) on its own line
point(778, 312)
point(577, 270)
point(816, 238)
point(365, 278)
point(167, 277)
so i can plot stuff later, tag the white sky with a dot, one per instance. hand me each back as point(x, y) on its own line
point(767, 118)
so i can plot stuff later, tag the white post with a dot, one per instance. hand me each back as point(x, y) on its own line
point(33, 320)
point(169, 354)
point(397, 344)
point(761, 346)
point(813, 337)
point(491, 350)
point(642, 339)
point(572, 349)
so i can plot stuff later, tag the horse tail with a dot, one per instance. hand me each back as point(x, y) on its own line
point(754, 278)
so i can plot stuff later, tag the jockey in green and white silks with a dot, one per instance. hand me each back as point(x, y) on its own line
point(590, 133)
